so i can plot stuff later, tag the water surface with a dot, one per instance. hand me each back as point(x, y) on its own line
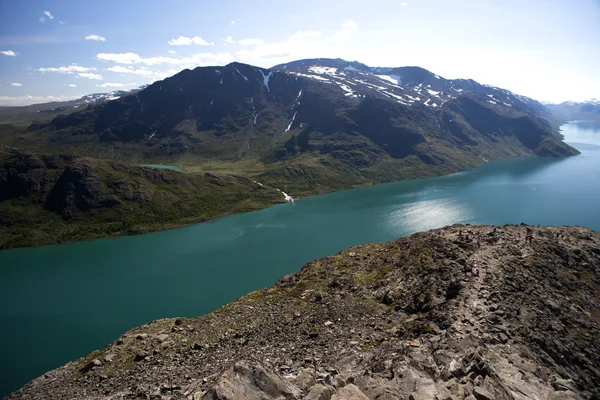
point(60, 302)
point(161, 166)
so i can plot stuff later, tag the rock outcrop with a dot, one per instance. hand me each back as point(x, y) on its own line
point(432, 316)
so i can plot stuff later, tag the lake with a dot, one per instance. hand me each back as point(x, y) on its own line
point(60, 302)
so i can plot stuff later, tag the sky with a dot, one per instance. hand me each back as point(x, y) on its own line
point(59, 50)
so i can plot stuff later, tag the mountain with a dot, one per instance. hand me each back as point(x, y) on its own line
point(571, 110)
point(48, 199)
point(404, 85)
point(399, 320)
point(45, 110)
point(306, 127)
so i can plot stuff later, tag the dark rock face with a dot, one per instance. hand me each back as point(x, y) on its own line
point(79, 187)
point(399, 320)
point(23, 174)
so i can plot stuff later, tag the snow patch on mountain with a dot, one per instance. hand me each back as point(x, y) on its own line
point(243, 76)
point(400, 99)
point(290, 125)
point(317, 77)
point(318, 69)
point(347, 89)
point(266, 79)
point(389, 78)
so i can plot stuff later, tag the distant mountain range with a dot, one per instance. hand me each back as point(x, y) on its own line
point(53, 108)
point(572, 110)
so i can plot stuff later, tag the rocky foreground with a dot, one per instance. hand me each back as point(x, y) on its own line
point(399, 320)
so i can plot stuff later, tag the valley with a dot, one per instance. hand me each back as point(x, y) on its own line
point(315, 200)
point(306, 127)
point(86, 294)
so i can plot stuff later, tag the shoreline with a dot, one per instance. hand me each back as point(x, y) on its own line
point(205, 348)
point(287, 199)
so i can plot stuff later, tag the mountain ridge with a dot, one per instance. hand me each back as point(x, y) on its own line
point(431, 316)
point(305, 128)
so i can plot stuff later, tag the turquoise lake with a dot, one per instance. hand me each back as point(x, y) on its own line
point(60, 302)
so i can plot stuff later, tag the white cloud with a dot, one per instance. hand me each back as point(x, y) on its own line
point(16, 84)
point(120, 58)
point(89, 75)
point(186, 41)
point(67, 70)
point(72, 85)
point(42, 19)
point(172, 51)
point(26, 100)
point(229, 40)
point(95, 37)
point(251, 42)
point(232, 22)
point(299, 35)
point(8, 53)
point(115, 85)
point(48, 14)
point(404, 4)
point(302, 44)
point(165, 74)
point(129, 70)
point(195, 60)
point(62, 22)
point(345, 32)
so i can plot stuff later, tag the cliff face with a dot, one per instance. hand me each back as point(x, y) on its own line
point(399, 320)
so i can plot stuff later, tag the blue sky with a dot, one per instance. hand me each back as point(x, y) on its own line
point(57, 50)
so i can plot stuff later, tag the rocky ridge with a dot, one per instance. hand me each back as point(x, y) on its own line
point(406, 319)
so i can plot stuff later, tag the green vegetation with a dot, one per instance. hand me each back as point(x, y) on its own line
point(53, 199)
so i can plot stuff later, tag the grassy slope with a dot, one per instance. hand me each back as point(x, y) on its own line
point(36, 210)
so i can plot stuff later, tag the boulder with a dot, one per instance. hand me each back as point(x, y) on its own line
point(319, 392)
point(481, 393)
point(162, 337)
point(349, 392)
point(250, 381)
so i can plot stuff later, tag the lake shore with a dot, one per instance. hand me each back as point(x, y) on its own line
point(409, 300)
point(85, 231)
point(86, 294)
